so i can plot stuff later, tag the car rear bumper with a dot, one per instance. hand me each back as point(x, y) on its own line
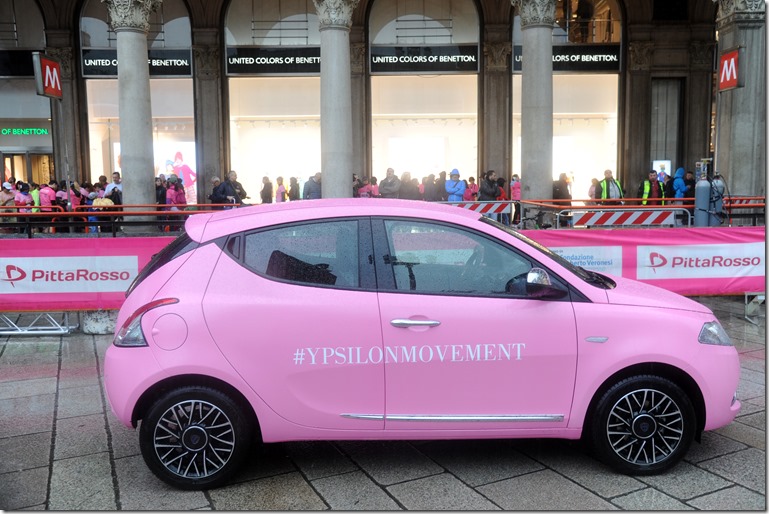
point(128, 372)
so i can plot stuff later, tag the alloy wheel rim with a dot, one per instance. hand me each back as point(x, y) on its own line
point(194, 439)
point(645, 427)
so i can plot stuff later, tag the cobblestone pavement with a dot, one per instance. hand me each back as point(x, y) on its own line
point(62, 449)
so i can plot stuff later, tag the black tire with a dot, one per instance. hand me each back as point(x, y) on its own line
point(195, 437)
point(643, 425)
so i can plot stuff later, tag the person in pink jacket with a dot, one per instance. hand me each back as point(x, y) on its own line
point(515, 196)
point(175, 197)
point(471, 191)
point(48, 195)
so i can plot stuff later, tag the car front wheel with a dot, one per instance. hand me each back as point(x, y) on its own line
point(643, 425)
point(194, 437)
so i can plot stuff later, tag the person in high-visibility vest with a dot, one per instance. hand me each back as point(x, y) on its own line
point(609, 187)
point(651, 191)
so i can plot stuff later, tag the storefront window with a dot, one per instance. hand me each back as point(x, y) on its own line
point(272, 23)
point(584, 128)
point(171, 92)
point(21, 25)
point(273, 64)
point(424, 87)
point(405, 22)
point(275, 133)
point(586, 67)
point(586, 21)
point(424, 125)
point(172, 127)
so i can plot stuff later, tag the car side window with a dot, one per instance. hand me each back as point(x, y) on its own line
point(324, 253)
point(435, 258)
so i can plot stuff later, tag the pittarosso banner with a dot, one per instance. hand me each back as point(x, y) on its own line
point(94, 273)
point(71, 274)
point(688, 261)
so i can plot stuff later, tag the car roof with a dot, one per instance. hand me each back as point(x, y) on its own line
point(208, 226)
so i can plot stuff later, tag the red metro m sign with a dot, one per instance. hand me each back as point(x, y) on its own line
point(730, 74)
point(47, 76)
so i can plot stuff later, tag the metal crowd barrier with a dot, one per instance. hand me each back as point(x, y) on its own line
point(41, 324)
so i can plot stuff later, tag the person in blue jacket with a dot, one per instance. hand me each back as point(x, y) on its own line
point(679, 186)
point(455, 187)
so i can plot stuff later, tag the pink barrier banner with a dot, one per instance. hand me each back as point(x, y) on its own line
point(92, 274)
point(688, 261)
point(71, 274)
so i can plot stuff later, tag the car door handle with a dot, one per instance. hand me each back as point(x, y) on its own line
point(406, 323)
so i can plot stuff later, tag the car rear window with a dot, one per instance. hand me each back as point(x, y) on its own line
point(175, 248)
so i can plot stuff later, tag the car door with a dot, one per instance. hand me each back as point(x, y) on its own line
point(465, 347)
point(294, 309)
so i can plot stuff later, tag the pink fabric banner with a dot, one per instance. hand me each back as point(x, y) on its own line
point(688, 261)
point(71, 274)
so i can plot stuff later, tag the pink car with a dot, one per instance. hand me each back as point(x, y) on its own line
point(386, 319)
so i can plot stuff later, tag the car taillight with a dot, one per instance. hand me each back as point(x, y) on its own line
point(130, 334)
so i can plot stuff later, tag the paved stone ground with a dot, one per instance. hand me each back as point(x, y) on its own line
point(62, 449)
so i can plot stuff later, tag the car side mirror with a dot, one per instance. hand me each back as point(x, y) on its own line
point(538, 285)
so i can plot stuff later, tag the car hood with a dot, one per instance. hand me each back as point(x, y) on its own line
point(632, 292)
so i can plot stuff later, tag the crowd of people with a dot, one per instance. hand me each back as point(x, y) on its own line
point(54, 196)
point(656, 188)
point(71, 196)
point(432, 189)
point(170, 194)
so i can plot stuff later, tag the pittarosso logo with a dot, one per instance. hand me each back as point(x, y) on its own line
point(16, 273)
point(657, 260)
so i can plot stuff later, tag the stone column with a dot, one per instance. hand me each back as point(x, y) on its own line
point(209, 118)
point(65, 113)
point(335, 97)
point(635, 138)
point(699, 88)
point(130, 21)
point(741, 112)
point(537, 21)
point(360, 118)
point(496, 136)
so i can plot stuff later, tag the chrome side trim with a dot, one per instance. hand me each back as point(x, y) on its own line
point(596, 339)
point(373, 417)
point(459, 417)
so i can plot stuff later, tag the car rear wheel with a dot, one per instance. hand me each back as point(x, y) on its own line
point(643, 425)
point(194, 437)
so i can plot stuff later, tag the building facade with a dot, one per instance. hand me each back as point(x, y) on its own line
point(236, 84)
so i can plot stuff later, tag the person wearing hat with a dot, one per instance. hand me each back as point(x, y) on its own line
point(455, 188)
point(7, 197)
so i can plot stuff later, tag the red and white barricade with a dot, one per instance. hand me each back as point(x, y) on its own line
point(626, 218)
point(485, 207)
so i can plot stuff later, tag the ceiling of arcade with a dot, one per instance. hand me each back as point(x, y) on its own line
point(62, 14)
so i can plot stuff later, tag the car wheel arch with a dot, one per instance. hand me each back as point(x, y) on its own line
point(672, 373)
point(158, 389)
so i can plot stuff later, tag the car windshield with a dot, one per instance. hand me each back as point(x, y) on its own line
point(591, 277)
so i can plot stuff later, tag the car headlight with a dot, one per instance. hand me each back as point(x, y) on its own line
point(713, 333)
